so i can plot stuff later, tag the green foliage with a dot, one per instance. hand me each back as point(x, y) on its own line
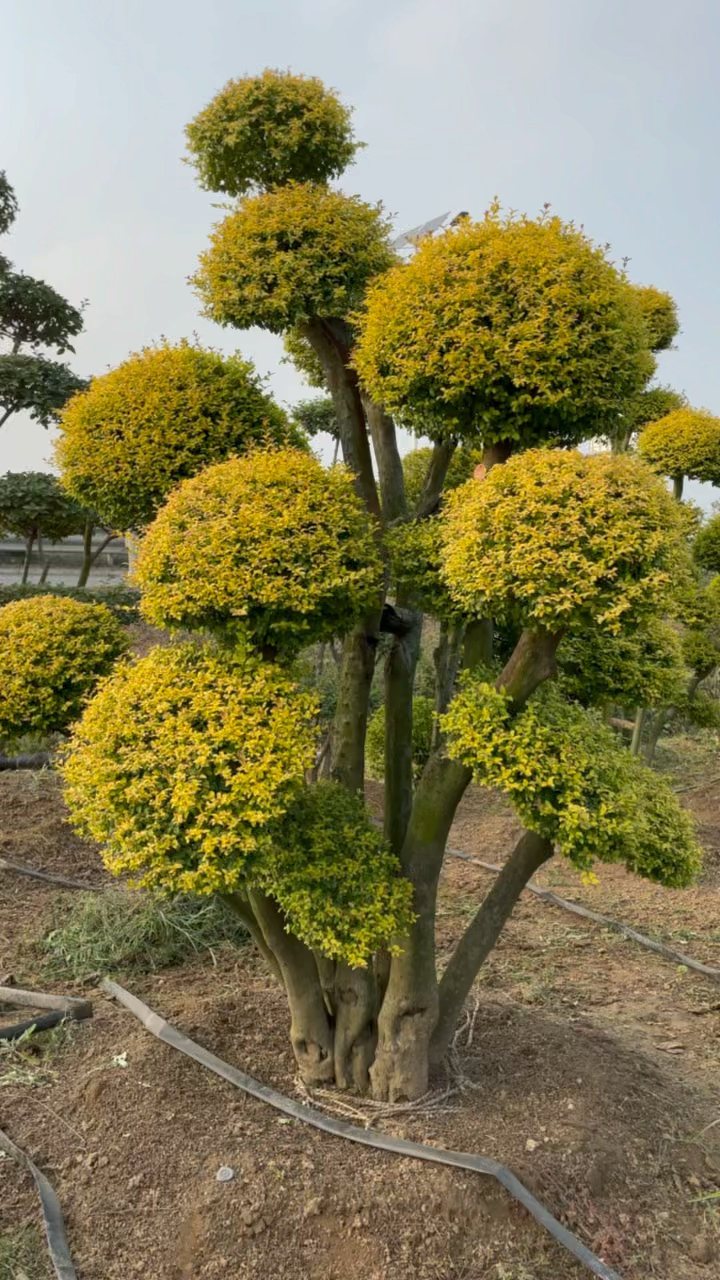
point(33, 503)
point(268, 130)
point(272, 547)
point(161, 416)
point(414, 550)
point(32, 314)
point(569, 779)
point(124, 931)
point(183, 761)
point(288, 255)
point(36, 386)
point(316, 415)
point(334, 878)
point(8, 203)
point(659, 312)
point(53, 652)
point(701, 710)
point(415, 467)
point(685, 442)
point(641, 667)
point(122, 601)
point(653, 403)
point(555, 538)
point(706, 547)
point(507, 329)
point(423, 709)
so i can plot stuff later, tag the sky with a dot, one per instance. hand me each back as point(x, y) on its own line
point(607, 109)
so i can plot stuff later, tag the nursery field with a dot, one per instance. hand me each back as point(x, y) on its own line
point(586, 1063)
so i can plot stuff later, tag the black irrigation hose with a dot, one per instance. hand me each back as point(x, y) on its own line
point(169, 1034)
point(42, 1023)
point(51, 1211)
point(37, 761)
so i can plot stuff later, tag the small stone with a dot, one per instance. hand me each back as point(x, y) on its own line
point(312, 1208)
point(135, 1181)
point(531, 1145)
point(91, 1159)
point(224, 1174)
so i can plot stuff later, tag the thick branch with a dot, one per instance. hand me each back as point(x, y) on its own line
point(400, 665)
point(480, 937)
point(389, 462)
point(331, 341)
point(531, 662)
point(440, 460)
point(240, 905)
point(350, 724)
point(311, 1031)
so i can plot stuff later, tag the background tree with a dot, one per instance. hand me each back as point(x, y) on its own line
point(161, 416)
point(684, 444)
point(35, 507)
point(33, 317)
point(53, 653)
point(506, 335)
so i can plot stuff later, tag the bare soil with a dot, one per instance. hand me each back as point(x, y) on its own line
point(587, 1064)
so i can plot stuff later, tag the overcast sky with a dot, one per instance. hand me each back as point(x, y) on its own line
point(608, 109)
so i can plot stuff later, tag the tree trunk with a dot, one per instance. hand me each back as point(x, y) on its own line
point(435, 477)
point(409, 1011)
point(311, 1032)
point(331, 341)
point(87, 554)
point(678, 485)
point(638, 732)
point(356, 1008)
point(350, 724)
point(29, 544)
point(400, 666)
point(389, 462)
point(659, 720)
point(481, 935)
point(531, 663)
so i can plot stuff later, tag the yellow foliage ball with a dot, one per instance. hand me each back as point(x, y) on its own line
point(272, 547)
point(684, 443)
point(265, 131)
point(507, 329)
point(553, 537)
point(160, 416)
point(182, 761)
point(53, 652)
point(286, 256)
point(660, 315)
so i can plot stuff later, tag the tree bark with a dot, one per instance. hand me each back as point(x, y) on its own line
point(678, 485)
point(331, 341)
point(400, 666)
point(435, 478)
point(409, 1010)
point(389, 462)
point(311, 1032)
point(356, 1006)
point(350, 724)
point(639, 725)
point(531, 663)
point(87, 554)
point(481, 935)
point(29, 544)
point(240, 905)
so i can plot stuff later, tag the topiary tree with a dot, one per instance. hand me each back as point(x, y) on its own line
point(33, 316)
point(280, 553)
point(465, 331)
point(159, 417)
point(507, 335)
point(53, 653)
point(684, 443)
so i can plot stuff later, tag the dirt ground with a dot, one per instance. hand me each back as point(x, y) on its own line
point(587, 1064)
